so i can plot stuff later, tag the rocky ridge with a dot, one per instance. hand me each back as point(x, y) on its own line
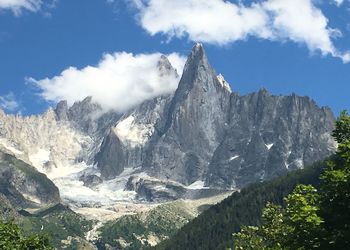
point(205, 132)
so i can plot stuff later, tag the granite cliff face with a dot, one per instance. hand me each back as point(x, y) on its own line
point(192, 126)
point(128, 139)
point(203, 135)
point(204, 132)
point(125, 144)
point(269, 135)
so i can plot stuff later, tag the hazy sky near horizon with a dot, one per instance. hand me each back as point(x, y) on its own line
point(60, 49)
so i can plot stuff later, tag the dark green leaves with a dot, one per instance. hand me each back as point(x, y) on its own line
point(341, 132)
point(11, 238)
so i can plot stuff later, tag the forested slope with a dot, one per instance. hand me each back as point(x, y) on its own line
point(213, 228)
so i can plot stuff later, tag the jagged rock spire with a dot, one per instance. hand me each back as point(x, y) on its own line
point(62, 110)
point(196, 59)
point(164, 66)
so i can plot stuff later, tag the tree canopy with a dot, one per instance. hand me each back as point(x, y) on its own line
point(11, 238)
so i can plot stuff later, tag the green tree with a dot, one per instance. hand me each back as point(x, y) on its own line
point(11, 238)
point(341, 132)
point(302, 216)
point(335, 189)
point(274, 229)
point(296, 227)
point(270, 236)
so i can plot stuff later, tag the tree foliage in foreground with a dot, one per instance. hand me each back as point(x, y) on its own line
point(312, 219)
point(11, 238)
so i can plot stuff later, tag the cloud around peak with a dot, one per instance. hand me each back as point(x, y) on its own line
point(119, 81)
point(222, 22)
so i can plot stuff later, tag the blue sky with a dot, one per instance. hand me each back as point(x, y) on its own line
point(254, 44)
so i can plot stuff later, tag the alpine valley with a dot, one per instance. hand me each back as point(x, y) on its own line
point(97, 179)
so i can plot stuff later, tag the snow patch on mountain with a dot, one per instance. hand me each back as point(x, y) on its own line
point(5, 144)
point(133, 133)
point(103, 195)
point(223, 83)
point(234, 157)
point(31, 198)
point(39, 158)
point(197, 185)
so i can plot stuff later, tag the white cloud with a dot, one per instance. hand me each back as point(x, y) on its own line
point(338, 2)
point(302, 22)
point(18, 5)
point(222, 22)
point(119, 81)
point(8, 102)
point(212, 21)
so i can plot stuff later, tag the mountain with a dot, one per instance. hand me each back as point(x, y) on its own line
point(206, 133)
point(203, 136)
point(269, 135)
point(193, 124)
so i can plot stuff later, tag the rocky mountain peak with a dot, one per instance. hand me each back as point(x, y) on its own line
point(85, 106)
point(198, 74)
point(193, 124)
point(62, 110)
point(50, 114)
point(165, 68)
point(80, 110)
point(84, 113)
point(196, 59)
point(198, 49)
point(198, 77)
point(264, 91)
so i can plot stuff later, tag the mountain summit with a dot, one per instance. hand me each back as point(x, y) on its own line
point(193, 125)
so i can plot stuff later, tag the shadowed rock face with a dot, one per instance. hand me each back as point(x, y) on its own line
point(110, 159)
point(90, 180)
point(269, 135)
point(88, 118)
point(205, 132)
point(23, 185)
point(154, 190)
